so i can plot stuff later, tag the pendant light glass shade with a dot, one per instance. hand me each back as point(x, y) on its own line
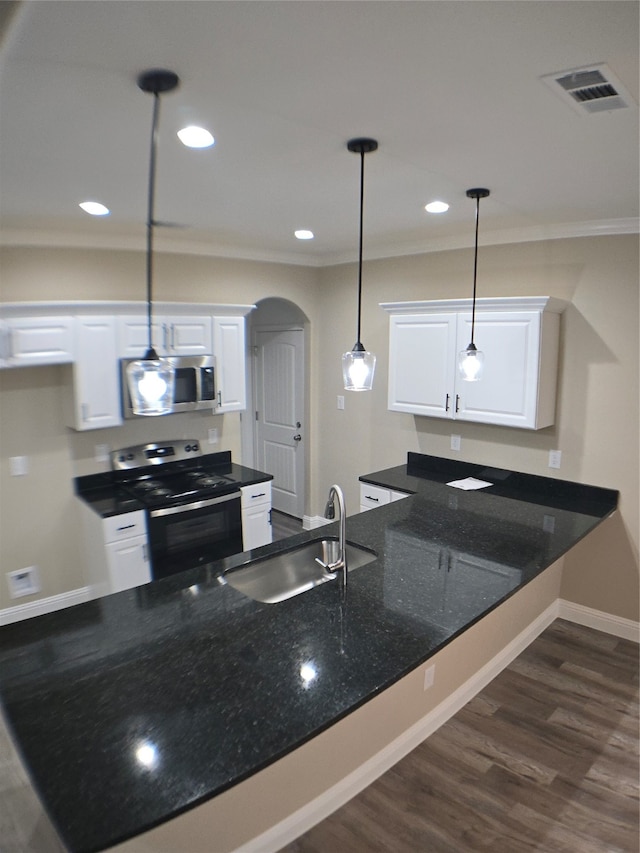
point(471, 360)
point(151, 383)
point(151, 379)
point(358, 365)
point(471, 363)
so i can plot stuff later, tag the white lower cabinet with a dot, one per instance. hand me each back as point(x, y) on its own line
point(519, 338)
point(96, 377)
point(32, 341)
point(116, 550)
point(373, 496)
point(256, 515)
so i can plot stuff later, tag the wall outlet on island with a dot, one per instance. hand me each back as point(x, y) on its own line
point(429, 676)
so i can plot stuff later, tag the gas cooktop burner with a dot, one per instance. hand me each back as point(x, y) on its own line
point(168, 474)
point(147, 485)
point(203, 479)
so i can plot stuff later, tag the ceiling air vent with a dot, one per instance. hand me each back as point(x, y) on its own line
point(594, 89)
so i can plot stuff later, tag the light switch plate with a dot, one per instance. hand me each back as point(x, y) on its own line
point(340, 401)
point(555, 458)
point(19, 466)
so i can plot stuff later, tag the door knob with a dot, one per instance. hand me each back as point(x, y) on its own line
point(297, 437)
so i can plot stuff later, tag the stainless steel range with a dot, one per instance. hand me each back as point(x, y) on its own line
point(193, 512)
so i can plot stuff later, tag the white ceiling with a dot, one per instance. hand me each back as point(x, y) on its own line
point(450, 89)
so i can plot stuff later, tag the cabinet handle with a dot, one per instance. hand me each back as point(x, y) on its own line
point(126, 527)
point(457, 403)
point(260, 495)
point(369, 498)
point(446, 403)
point(145, 552)
point(164, 337)
point(173, 336)
point(220, 399)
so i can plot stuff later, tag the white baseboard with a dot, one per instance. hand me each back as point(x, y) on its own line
point(310, 522)
point(44, 605)
point(312, 813)
point(626, 629)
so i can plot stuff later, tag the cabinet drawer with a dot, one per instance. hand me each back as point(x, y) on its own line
point(373, 496)
point(259, 493)
point(124, 526)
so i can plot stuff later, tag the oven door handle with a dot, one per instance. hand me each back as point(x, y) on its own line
point(173, 510)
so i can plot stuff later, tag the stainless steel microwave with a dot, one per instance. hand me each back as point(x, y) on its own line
point(195, 384)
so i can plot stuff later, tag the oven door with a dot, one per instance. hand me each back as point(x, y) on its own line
point(181, 537)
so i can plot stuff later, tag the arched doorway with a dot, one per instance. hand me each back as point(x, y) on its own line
point(276, 433)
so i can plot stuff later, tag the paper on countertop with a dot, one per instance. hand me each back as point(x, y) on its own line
point(469, 483)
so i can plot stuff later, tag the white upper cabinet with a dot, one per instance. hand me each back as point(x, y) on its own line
point(229, 350)
point(519, 338)
point(96, 377)
point(188, 335)
point(37, 340)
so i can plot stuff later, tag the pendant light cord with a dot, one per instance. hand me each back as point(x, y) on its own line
point(360, 247)
point(150, 213)
point(475, 271)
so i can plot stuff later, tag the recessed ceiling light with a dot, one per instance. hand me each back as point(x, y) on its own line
point(303, 234)
point(195, 137)
point(436, 207)
point(94, 208)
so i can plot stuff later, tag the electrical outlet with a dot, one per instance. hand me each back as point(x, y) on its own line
point(429, 676)
point(555, 458)
point(23, 582)
point(456, 441)
point(213, 435)
point(19, 466)
point(102, 452)
point(340, 401)
point(549, 523)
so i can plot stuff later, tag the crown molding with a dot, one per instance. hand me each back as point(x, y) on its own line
point(25, 238)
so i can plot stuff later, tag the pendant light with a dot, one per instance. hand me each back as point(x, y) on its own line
point(151, 379)
point(358, 365)
point(471, 360)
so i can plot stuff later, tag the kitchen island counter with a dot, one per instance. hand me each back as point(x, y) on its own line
point(132, 709)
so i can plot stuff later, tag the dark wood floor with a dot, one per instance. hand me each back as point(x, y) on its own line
point(283, 525)
point(544, 759)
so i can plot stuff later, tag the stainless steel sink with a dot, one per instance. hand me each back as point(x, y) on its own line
point(288, 573)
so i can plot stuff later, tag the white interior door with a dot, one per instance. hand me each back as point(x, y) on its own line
point(280, 431)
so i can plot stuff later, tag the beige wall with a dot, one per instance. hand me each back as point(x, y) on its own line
point(596, 427)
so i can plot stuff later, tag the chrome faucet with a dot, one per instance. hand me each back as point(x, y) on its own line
point(340, 563)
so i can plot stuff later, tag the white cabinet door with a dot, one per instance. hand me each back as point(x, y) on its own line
point(37, 340)
point(229, 350)
point(188, 335)
point(373, 496)
point(256, 515)
point(421, 364)
point(507, 392)
point(96, 380)
point(128, 563)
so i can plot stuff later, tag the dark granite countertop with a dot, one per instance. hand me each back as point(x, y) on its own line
point(104, 495)
point(131, 709)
